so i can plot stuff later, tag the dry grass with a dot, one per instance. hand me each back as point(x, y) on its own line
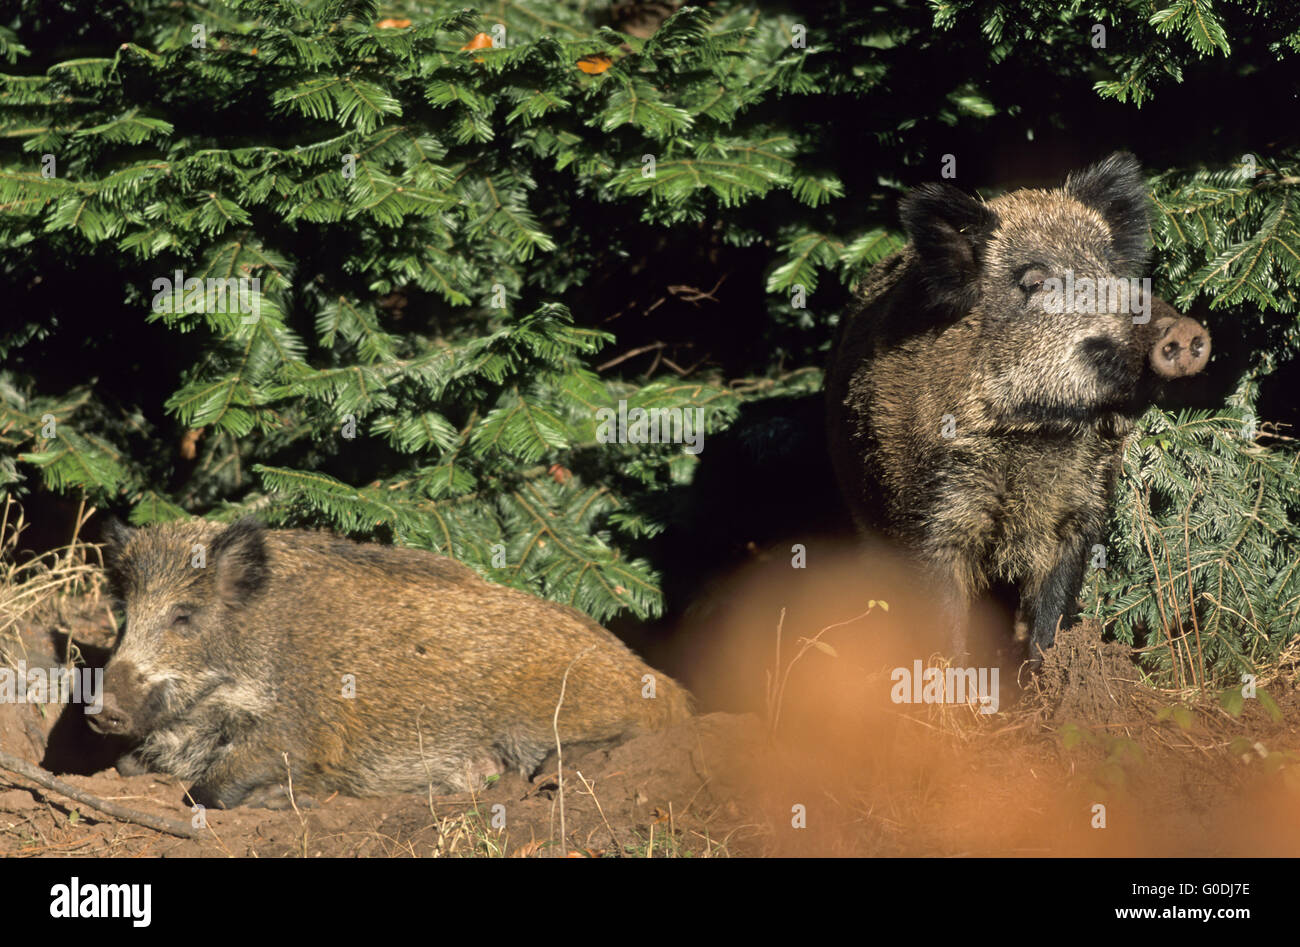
point(38, 589)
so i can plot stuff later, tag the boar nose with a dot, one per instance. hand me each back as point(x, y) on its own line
point(111, 719)
point(114, 715)
point(1183, 348)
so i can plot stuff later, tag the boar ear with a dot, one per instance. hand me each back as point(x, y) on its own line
point(1115, 187)
point(949, 229)
point(115, 535)
point(238, 555)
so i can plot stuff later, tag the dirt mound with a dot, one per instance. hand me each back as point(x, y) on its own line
point(1085, 678)
point(25, 726)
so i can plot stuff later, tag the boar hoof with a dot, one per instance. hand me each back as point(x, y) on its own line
point(1182, 348)
point(130, 765)
point(277, 798)
point(265, 797)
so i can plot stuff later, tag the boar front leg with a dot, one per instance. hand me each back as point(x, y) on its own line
point(247, 778)
point(951, 578)
point(952, 541)
point(1049, 599)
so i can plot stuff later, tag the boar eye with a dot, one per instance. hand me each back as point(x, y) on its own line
point(181, 617)
point(1032, 280)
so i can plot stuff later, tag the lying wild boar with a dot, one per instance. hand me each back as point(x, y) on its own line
point(981, 388)
point(376, 669)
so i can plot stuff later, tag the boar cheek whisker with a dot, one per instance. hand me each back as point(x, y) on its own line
point(171, 699)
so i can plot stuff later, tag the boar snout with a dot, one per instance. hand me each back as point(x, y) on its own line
point(1182, 347)
point(111, 719)
point(118, 716)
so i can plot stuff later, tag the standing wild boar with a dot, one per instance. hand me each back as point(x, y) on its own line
point(976, 412)
point(376, 669)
